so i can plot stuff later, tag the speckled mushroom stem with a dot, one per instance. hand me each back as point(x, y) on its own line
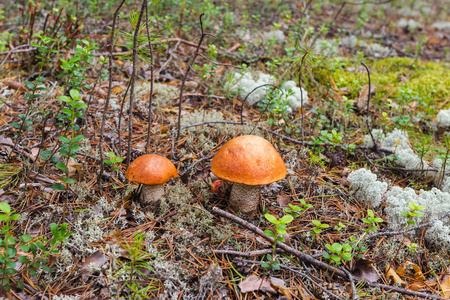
point(244, 198)
point(151, 194)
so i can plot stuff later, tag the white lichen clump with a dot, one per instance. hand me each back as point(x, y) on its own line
point(410, 24)
point(443, 118)
point(366, 186)
point(398, 142)
point(295, 100)
point(436, 202)
point(163, 93)
point(246, 83)
point(87, 229)
point(278, 35)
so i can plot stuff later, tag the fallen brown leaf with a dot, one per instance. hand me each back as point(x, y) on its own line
point(95, 260)
point(391, 275)
point(364, 269)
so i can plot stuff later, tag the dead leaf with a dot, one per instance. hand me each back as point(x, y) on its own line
point(364, 269)
point(117, 90)
point(304, 294)
point(445, 284)
point(34, 153)
point(95, 260)
point(119, 62)
point(100, 92)
point(5, 140)
point(254, 283)
point(280, 286)
point(191, 85)
point(392, 275)
point(74, 167)
point(15, 85)
point(163, 128)
point(418, 273)
point(283, 200)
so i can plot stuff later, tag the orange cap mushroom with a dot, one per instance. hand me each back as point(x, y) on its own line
point(152, 171)
point(249, 161)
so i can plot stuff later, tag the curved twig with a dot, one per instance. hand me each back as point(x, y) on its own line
point(375, 147)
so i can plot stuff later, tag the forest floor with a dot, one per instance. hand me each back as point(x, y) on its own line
point(362, 213)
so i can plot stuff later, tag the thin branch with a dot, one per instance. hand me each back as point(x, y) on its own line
point(108, 96)
point(375, 147)
point(245, 99)
point(391, 233)
point(196, 163)
point(188, 68)
point(133, 79)
point(16, 50)
point(250, 253)
point(150, 102)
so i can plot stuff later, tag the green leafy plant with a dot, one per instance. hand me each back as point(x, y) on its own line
point(295, 210)
point(69, 143)
point(38, 252)
point(339, 227)
point(134, 270)
point(414, 212)
point(403, 122)
point(276, 106)
point(44, 49)
point(339, 253)
point(277, 234)
point(371, 220)
point(113, 161)
point(358, 245)
point(75, 67)
point(316, 231)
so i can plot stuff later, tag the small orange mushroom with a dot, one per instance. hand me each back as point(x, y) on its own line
point(152, 171)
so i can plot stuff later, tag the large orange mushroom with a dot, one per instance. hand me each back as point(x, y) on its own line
point(152, 171)
point(249, 161)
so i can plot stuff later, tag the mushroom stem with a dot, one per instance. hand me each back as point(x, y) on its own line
point(244, 198)
point(151, 194)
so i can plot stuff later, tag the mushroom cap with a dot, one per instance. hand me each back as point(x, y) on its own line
point(249, 160)
point(151, 169)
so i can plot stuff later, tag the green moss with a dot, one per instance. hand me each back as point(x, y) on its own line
point(386, 73)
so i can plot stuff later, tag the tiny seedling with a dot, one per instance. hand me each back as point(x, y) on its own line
point(316, 231)
point(113, 160)
point(277, 234)
point(339, 227)
point(339, 253)
point(295, 210)
point(372, 221)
